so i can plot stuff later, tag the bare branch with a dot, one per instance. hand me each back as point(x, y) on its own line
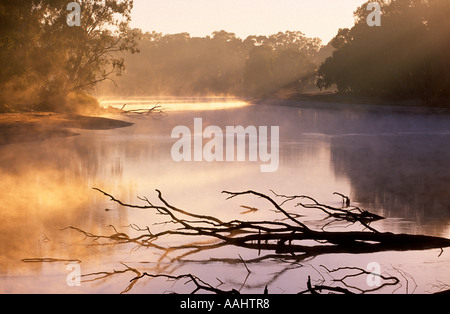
point(199, 284)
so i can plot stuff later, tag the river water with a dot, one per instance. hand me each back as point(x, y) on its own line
point(390, 162)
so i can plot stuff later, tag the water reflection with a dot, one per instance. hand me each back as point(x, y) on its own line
point(43, 187)
point(393, 164)
point(402, 175)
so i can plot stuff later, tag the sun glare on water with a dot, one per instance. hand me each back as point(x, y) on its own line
point(176, 104)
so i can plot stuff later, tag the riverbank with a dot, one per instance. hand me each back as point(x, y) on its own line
point(334, 101)
point(39, 126)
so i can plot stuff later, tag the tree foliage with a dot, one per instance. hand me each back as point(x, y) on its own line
point(220, 64)
point(407, 56)
point(49, 62)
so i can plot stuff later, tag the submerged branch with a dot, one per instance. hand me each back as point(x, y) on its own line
point(104, 275)
point(200, 285)
point(283, 238)
point(290, 241)
point(352, 215)
point(156, 110)
point(321, 285)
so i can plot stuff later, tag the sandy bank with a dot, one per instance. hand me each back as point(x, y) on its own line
point(31, 127)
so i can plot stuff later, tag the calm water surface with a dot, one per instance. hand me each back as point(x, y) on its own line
point(391, 163)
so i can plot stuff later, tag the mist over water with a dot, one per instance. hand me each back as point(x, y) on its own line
point(391, 163)
point(175, 103)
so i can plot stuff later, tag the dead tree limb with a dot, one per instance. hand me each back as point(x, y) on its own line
point(284, 238)
point(336, 286)
point(352, 215)
point(156, 110)
point(357, 272)
point(345, 199)
point(317, 289)
point(287, 241)
point(104, 275)
point(200, 285)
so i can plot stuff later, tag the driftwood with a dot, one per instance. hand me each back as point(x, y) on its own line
point(319, 285)
point(156, 110)
point(345, 288)
point(283, 239)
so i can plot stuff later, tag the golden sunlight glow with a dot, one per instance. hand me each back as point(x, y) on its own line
point(177, 105)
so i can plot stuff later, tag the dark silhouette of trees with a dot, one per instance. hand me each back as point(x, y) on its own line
point(406, 57)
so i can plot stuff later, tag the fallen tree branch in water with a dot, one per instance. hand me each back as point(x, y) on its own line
point(333, 285)
point(285, 238)
point(352, 215)
point(156, 111)
point(384, 280)
point(200, 285)
point(289, 240)
point(104, 275)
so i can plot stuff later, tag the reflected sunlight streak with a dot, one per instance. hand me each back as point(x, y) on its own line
point(177, 105)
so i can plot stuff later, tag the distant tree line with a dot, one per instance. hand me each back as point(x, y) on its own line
point(404, 58)
point(407, 56)
point(221, 64)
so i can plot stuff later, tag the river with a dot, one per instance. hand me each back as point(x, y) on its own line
point(390, 162)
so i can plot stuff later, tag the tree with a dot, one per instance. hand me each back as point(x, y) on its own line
point(283, 59)
point(19, 31)
point(293, 67)
point(57, 61)
point(259, 70)
point(402, 58)
point(220, 64)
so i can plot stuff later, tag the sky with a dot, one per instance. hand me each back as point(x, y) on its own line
point(315, 18)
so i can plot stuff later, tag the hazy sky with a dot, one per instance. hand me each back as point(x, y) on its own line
point(315, 18)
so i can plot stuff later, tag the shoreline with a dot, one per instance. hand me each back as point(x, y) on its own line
point(23, 127)
point(331, 101)
point(27, 127)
